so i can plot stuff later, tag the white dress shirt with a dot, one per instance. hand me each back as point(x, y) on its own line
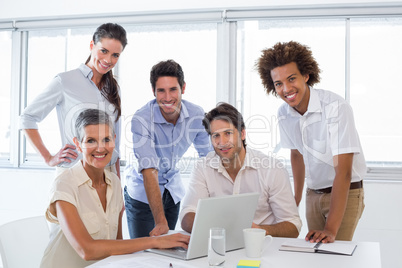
point(70, 93)
point(325, 130)
point(259, 173)
point(75, 187)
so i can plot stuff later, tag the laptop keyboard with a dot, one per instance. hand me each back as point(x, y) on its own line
point(177, 249)
point(173, 252)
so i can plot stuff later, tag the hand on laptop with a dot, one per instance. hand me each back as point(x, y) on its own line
point(174, 240)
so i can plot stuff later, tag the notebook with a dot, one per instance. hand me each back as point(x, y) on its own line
point(232, 212)
point(337, 247)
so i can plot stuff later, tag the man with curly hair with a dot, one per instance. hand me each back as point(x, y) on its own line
point(319, 129)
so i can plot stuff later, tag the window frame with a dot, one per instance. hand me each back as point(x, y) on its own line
point(226, 53)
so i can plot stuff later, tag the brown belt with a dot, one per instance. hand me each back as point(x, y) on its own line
point(353, 185)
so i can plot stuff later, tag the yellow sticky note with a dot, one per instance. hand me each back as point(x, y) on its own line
point(248, 264)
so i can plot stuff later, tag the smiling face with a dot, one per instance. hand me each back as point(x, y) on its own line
point(168, 96)
point(104, 55)
point(227, 141)
point(97, 146)
point(292, 86)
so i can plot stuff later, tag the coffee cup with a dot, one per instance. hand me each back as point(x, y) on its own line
point(254, 240)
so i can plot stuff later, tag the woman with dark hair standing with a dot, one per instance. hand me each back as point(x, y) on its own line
point(91, 85)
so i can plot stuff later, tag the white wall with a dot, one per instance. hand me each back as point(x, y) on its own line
point(24, 193)
point(51, 8)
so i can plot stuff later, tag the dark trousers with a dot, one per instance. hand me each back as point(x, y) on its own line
point(140, 220)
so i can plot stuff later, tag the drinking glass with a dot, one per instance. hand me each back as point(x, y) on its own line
point(216, 247)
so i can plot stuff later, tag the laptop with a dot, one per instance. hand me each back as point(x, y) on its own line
point(232, 212)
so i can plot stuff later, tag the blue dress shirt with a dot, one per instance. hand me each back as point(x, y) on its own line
point(159, 144)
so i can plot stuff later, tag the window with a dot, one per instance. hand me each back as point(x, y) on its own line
point(5, 94)
point(375, 91)
point(326, 38)
point(193, 46)
point(346, 47)
point(49, 53)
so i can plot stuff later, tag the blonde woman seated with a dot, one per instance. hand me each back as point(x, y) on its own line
point(86, 203)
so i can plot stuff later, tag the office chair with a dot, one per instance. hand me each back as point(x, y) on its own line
point(22, 242)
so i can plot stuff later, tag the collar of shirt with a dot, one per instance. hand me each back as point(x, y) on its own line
point(82, 176)
point(314, 105)
point(159, 119)
point(86, 71)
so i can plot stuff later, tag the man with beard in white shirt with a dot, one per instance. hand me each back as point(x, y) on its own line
point(234, 168)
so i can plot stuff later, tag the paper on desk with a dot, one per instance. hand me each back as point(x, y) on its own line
point(143, 262)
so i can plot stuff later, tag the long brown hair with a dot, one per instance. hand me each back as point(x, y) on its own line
point(108, 85)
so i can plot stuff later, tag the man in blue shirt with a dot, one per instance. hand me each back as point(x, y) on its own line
point(162, 130)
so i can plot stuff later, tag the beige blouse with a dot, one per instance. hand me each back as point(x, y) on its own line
point(74, 186)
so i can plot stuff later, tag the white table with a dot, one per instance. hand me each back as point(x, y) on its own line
point(366, 255)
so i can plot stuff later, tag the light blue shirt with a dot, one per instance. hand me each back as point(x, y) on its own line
point(70, 92)
point(159, 144)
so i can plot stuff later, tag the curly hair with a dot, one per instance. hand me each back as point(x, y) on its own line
point(283, 53)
